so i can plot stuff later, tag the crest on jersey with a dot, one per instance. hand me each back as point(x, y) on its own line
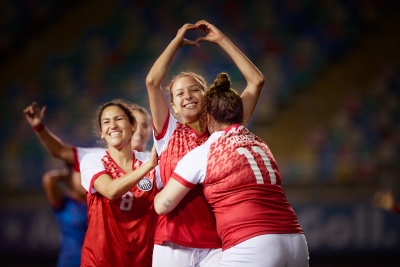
point(145, 184)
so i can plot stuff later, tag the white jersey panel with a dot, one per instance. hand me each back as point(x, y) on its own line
point(82, 151)
point(195, 173)
point(162, 143)
point(90, 166)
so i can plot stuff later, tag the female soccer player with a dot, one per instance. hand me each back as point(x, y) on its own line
point(63, 187)
point(121, 184)
point(256, 223)
point(187, 236)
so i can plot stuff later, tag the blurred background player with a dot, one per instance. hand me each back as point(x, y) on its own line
point(69, 205)
point(385, 199)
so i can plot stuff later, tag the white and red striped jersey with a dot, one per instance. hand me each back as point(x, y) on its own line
point(120, 231)
point(242, 184)
point(191, 223)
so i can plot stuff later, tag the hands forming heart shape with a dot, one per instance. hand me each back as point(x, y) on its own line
point(213, 34)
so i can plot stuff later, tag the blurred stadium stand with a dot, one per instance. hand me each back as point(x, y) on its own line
point(329, 110)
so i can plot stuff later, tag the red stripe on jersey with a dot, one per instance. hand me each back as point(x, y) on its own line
point(160, 135)
point(182, 181)
point(94, 179)
point(75, 166)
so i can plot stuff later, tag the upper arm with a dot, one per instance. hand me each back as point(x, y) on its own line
point(170, 196)
point(250, 97)
point(254, 78)
point(91, 168)
point(66, 153)
point(56, 146)
point(158, 105)
point(102, 184)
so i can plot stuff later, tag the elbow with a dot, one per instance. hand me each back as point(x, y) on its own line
point(112, 195)
point(160, 209)
point(257, 78)
point(260, 80)
point(151, 82)
point(56, 152)
point(64, 153)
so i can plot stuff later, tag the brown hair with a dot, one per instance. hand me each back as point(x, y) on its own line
point(141, 109)
point(200, 79)
point(125, 106)
point(222, 102)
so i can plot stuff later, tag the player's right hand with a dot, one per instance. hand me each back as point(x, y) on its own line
point(34, 114)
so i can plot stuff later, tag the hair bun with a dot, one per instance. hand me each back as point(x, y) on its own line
point(222, 82)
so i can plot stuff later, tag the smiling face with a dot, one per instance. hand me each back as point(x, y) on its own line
point(115, 127)
point(187, 95)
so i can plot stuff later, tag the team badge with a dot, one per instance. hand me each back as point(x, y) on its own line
point(145, 184)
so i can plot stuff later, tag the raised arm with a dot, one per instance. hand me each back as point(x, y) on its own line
point(158, 103)
point(35, 116)
point(254, 78)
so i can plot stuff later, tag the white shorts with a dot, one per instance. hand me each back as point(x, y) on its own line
point(272, 250)
point(171, 254)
